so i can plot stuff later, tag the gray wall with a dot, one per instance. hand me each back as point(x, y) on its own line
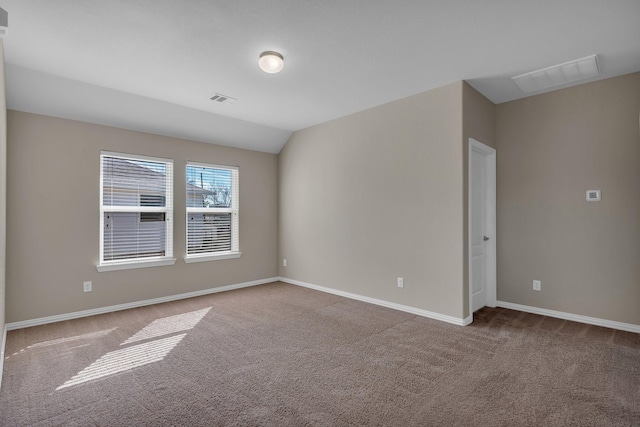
point(376, 195)
point(52, 199)
point(552, 148)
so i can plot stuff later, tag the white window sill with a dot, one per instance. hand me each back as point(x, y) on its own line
point(211, 257)
point(136, 264)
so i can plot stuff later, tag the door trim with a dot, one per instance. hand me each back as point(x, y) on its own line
point(491, 271)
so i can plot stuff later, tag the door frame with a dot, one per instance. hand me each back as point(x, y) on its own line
point(490, 206)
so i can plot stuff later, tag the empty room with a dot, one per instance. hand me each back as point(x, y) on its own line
point(319, 213)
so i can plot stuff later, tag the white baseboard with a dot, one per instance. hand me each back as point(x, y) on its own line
point(2, 346)
point(629, 327)
point(405, 308)
point(78, 314)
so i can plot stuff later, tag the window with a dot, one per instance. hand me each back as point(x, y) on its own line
point(136, 212)
point(212, 212)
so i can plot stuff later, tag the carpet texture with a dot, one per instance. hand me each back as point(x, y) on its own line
point(281, 355)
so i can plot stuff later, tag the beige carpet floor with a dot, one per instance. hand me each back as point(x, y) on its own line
point(281, 355)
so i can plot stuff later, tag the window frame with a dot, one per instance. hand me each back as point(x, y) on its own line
point(234, 210)
point(167, 209)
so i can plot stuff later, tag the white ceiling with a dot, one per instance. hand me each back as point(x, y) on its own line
point(151, 65)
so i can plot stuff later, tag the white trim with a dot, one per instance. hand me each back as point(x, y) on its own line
point(136, 209)
point(85, 313)
point(128, 156)
point(211, 165)
point(135, 264)
point(2, 347)
point(213, 210)
point(400, 307)
point(492, 287)
point(629, 327)
point(212, 257)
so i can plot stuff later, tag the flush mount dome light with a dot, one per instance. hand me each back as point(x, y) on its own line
point(271, 62)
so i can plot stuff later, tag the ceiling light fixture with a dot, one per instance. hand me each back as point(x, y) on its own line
point(569, 72)
point(271, 62)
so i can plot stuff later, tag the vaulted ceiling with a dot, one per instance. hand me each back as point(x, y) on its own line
point(152, 65)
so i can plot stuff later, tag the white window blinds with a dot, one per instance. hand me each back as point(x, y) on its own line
point(136, 209)
point(212, 210)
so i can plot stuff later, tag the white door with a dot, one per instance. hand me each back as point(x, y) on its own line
point(481, 225)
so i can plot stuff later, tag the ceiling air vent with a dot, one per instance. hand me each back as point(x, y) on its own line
point(223, 99)
point(558, 75)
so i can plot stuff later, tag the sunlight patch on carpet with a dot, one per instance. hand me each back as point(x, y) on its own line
point(134, 356)
point(125, 359)
point(91, 335)
point(65, 340)
point(169, 325)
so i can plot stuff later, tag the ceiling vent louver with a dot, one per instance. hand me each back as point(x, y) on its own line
point(558, 75)
point(218, 97)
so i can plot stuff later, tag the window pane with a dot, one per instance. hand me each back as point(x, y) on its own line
point(208, 233)
point(209, 187)
point(125, 237)
point(125, 182)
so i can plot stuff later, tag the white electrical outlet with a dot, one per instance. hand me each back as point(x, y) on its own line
point(537, 285)
point(400, 282)
point(284, 262)
point(87, 286)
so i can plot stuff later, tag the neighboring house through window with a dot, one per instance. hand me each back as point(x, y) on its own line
point(212, 212)
point(136, 211)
